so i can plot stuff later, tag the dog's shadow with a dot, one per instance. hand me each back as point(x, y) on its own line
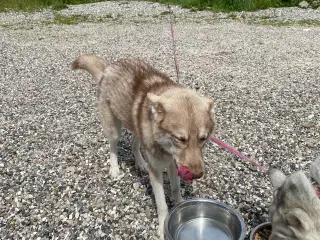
point(126, 159)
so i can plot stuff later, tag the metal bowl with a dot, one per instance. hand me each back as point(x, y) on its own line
point(266, 225)
point(204, 219)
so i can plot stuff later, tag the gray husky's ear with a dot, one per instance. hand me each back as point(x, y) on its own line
point(157, 107)
point(298, 220)
point(315, 170)
point(276, 177)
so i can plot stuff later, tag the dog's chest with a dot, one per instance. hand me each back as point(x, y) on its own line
point(160, 158)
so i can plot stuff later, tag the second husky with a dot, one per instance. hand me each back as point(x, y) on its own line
point(295, 209)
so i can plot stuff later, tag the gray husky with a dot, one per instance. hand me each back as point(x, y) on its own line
point(295, 209)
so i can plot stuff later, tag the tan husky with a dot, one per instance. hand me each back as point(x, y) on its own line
point(172, 123)
point(295, 209)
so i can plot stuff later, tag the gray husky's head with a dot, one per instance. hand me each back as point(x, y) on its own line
point(295, 209)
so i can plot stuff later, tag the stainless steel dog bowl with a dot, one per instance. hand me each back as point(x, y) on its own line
point(204, 219)
point(266, 225)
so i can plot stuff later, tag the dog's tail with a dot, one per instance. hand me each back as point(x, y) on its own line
point(93, 64)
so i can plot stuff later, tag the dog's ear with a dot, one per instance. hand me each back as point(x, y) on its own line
point(315, 170)
point(157, 107)
point(210, 103)
point(277, 177)
point(298, 220)
point(153, 98)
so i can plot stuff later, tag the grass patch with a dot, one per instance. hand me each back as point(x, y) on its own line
point(230, 5)
point(109, 15)
point(4, 25)
point(30, 5)
point(232, 16)
point(302, 23)
point(265, 17)
point(165, 13)
point(216, 5)
point(293, 23)
point(123, 3)
point(75, 19)
point(309, 22)
point(69, 20)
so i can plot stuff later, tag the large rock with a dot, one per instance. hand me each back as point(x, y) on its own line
point(304, 4)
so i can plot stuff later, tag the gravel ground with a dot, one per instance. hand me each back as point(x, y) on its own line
point(54, 181)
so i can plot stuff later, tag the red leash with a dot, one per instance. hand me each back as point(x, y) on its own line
point(214, 139)
point(237, 153)
point(261, 169)
point(174, 46)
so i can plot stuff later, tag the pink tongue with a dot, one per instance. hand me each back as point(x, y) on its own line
point(184, 173)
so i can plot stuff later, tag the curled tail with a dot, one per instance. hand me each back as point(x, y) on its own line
point(91, 63)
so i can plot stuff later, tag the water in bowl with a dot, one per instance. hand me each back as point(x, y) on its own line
point(204, 229)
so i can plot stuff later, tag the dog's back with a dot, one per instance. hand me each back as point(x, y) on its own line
point(123, 83)
point(295, 209)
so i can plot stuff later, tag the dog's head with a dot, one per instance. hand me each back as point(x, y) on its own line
point(182, 123)
point(295, 209)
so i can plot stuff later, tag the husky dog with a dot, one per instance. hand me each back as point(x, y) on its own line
point(172, 123)
point(295, 209)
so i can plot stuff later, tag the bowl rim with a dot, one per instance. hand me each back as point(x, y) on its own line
point(206, 200)
point(256, 228)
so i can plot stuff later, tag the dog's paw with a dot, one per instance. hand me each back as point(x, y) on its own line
point(114, 172)
point(176, 196)
point(141, 167)
point(178, 199)
point(160, 234)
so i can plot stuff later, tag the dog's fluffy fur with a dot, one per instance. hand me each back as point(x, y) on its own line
point(172, 123)
point(295, 209)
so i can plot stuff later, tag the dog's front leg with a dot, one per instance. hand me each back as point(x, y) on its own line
point(175, 182)
point(140, 163)
point(156, 179)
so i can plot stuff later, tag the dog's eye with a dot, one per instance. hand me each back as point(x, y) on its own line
point(180, 139)
point(203, 138)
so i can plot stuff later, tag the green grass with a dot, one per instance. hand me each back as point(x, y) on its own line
point(230, 5)
point(165, 13)
point(29, 5)
point(4, 25)
point(75, 19)
point(215, 5)
point(69, 20)
point(232, 16)
point(265, 17)
point(305, 23)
